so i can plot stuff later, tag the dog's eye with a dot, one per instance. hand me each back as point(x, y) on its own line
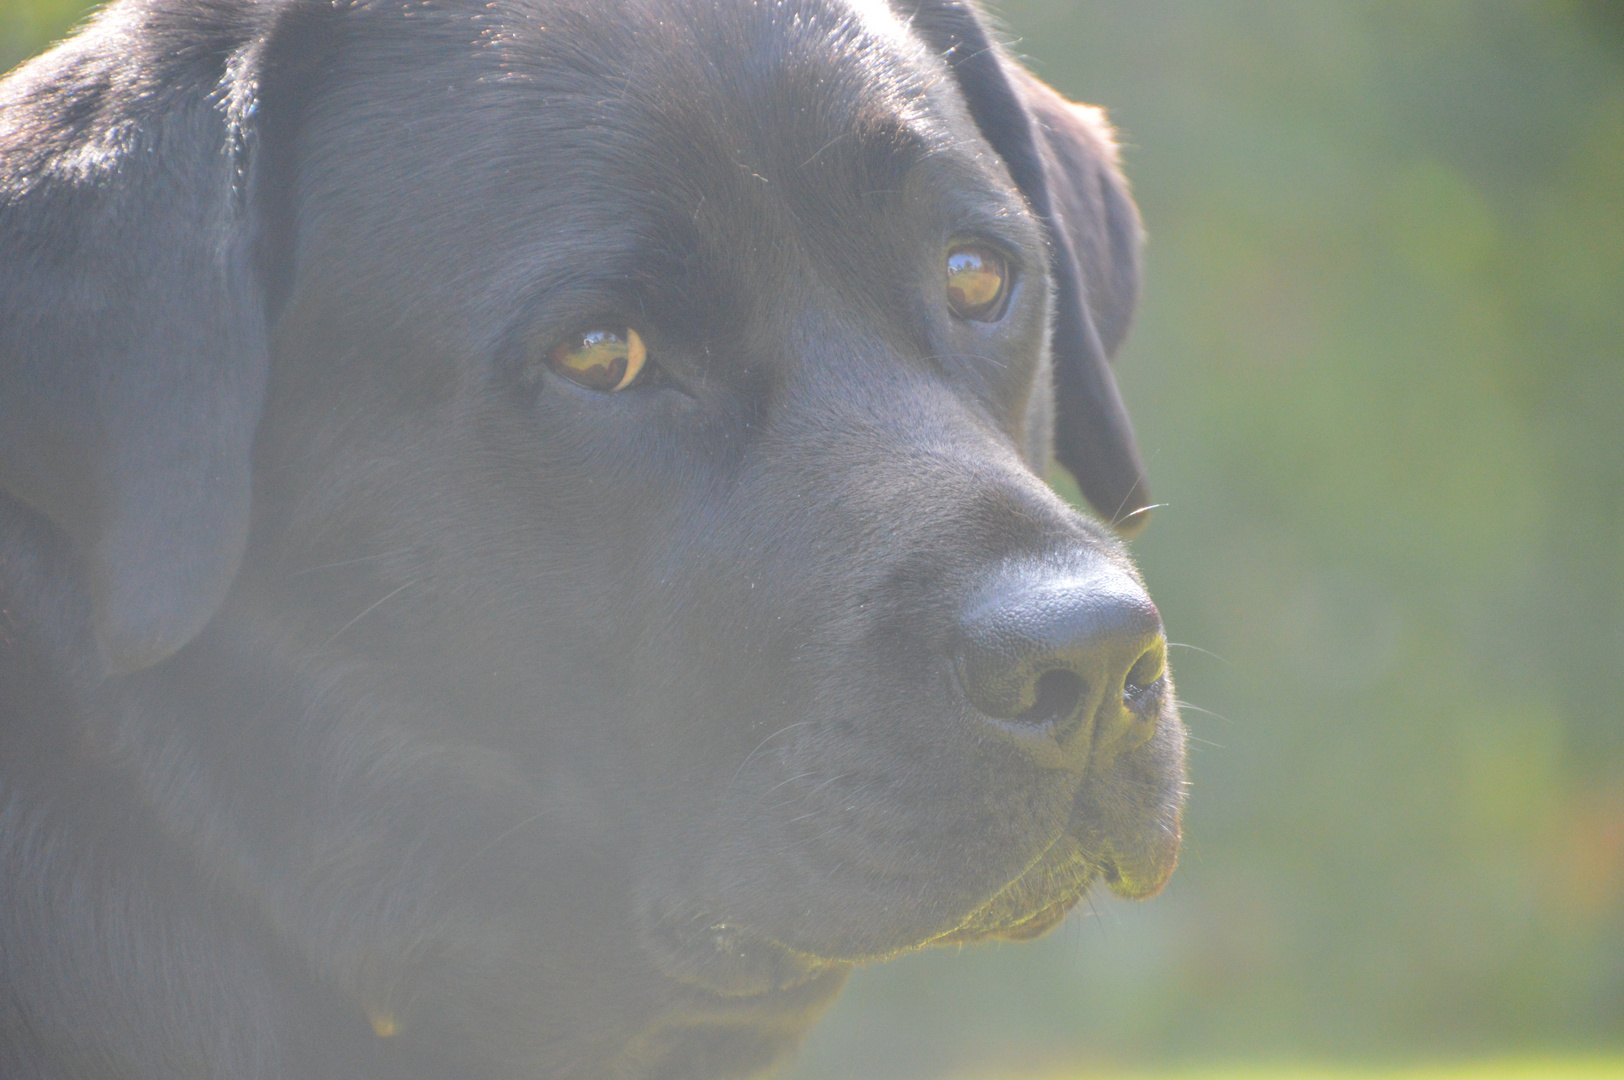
point(977, 281)
point(601, 359)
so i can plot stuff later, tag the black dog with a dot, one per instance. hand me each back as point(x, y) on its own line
point(522, 541)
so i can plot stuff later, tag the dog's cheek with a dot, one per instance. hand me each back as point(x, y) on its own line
point(1038, 444)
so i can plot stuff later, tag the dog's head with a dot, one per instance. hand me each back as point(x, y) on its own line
point(618, 431)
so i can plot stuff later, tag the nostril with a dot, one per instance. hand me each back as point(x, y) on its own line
point(1146, 670)
point(1058, 695)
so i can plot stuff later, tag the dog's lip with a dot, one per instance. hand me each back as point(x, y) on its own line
point(822, 981)
point(1124, 830)
point(1022, 922)
point(1132, 867)
point(1023, 928)
point(723, 959)
point(1052, 914)
point(736, 962)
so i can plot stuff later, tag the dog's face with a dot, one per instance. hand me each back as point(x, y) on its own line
point(647, 500)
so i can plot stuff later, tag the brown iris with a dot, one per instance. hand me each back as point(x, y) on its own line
point(601, 359)
point(977, 281)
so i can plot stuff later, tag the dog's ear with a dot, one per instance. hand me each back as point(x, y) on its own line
point(1063, 159)
point(133, 310)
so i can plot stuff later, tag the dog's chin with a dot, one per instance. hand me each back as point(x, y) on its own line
point(1038, 900)
point(732, 961)
point(736, 962)
point(1034, 903)
point(1123, 829)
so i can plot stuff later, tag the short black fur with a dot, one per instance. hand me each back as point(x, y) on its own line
point(375, 701)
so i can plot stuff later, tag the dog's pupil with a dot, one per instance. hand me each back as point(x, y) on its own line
point(975, 282)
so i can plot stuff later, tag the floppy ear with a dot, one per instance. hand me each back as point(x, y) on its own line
point(1063, 159)
point(133, 351)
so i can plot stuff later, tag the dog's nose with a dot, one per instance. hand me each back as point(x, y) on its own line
point(1049, 658)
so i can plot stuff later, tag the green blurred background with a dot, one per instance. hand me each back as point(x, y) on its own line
point(1379, 382)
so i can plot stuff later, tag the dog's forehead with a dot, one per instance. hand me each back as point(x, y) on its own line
point(541, 135)
point(856, 51)
point(777, 85)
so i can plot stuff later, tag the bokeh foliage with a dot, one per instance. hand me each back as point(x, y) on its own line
point(26, 26)
point(1379, 381)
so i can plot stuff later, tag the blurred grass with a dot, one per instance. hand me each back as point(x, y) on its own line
point(26, 25)
point(1512, 1069)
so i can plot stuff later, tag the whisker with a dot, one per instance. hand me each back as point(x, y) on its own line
point(752, 754)
point(979, 357)
point(1115, 521)
point(1199, 649)
point(1204, 712)
point(352, 562)
point(825, 146)
point(788, 780)
point(369, 609)
point(497, 839)
point(1116, 515)
point(804, 794)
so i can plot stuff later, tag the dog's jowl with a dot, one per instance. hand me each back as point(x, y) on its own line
point(523, 541)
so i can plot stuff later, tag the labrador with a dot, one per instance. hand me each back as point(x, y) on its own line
point(524, 549)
